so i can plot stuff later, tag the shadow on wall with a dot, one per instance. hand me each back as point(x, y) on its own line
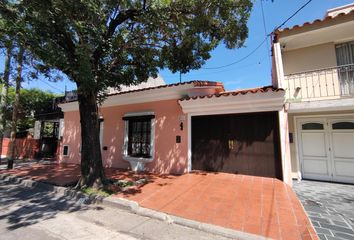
point(170, 156)
point(241, 144)
point(71, 138)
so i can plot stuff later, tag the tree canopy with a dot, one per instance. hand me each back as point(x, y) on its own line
point(109, 43)
point(32, 102)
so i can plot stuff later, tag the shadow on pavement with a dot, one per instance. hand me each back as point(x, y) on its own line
point(23, 206)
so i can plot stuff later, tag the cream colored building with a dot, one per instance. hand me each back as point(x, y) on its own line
point(314, 63)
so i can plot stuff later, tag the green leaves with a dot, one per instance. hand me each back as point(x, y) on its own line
point(101, 44)
point(32, 102)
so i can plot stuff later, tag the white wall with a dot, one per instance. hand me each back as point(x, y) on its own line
point(310, 58)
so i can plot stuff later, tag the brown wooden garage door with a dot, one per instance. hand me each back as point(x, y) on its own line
point(237, 143)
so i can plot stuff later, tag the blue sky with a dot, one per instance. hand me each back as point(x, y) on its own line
point(252, 72)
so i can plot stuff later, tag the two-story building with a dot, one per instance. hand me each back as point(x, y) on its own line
point(314, 63)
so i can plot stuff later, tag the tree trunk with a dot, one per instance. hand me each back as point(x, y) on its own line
point(92, 173)
point(4, 95)
point(10, 162)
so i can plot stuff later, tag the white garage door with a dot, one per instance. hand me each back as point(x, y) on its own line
point(326, 149)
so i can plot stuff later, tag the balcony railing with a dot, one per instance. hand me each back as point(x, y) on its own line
point(334, 82)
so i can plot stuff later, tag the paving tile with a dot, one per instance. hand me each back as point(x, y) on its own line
point(315, 224)
point(253, 228)
point(333, 238)
point(257, 205)
point(341, 223)
point(343, 235)
point(323, 231)
point(320, 220)
point(337, 228)
point(334, 209)
point(322, 236)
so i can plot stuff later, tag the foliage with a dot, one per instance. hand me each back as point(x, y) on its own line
point(32, 102)
point(93, 191)
point(106, 43)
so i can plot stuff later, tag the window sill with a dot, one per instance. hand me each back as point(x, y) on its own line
point(138, 159)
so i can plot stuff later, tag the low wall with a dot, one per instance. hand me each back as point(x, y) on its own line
point(24, 148)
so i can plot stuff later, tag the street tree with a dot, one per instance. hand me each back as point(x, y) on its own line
point(108, 43)
point(12, 35)
point(4, 91)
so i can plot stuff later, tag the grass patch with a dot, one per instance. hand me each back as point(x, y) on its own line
point(113, 186)
point(101, 192)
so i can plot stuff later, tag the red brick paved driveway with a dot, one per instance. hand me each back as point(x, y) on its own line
point(57, 174)
point(262, 206)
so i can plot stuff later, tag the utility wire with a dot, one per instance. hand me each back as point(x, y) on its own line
point(242, 59)
point(267, 35)
point(61, 91)
point(260, 62)
point(297, 11)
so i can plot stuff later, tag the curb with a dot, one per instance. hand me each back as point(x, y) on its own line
point(72, 194)
point(132, 207)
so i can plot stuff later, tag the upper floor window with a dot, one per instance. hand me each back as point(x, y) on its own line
point(345, 62)
point(138, 140)
point(345, 53)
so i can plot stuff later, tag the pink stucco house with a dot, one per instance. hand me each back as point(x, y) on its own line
point(196, 125)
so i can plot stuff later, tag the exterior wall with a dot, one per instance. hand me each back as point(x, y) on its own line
point(277, 66)
point(295, 166)
point(25, 148)
point(169, 156)
point(285, 147)
point(71, 138)
point(310, 58)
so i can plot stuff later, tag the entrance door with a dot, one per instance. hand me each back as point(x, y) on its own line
point(326, 149)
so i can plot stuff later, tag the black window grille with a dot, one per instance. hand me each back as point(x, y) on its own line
point(139, 136)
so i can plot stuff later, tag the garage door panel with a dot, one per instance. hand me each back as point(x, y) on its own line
point(314, 144)
point(344, 168)
point(343, 145)
point(315, 166)
point(210, 154)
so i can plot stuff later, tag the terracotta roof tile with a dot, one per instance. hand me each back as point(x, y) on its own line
point(236, 92)
point(196, 83)
point(314, 22)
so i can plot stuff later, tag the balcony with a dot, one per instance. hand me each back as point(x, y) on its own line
point(321, 84)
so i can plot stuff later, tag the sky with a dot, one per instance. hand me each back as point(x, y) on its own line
point(255, 70)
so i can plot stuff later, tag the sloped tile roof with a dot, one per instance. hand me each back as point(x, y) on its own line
point(315, 22)
point(196, 83)
point(236, 92)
